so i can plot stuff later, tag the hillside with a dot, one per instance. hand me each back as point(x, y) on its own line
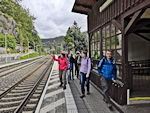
point(52, 43)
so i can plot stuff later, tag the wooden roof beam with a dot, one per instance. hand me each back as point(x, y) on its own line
point(133, 20)
point(143, 37)
point(82, 5)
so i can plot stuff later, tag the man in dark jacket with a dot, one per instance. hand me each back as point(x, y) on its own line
point(77, 63)
point(72, 60)
point(107, 72)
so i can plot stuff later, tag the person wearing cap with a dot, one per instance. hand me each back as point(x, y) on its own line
point(77, 63)
point(63, 66)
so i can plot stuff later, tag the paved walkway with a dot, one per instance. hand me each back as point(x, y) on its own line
point(56, 100)
point(92, 103)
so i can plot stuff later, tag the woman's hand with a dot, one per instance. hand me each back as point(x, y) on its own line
point(52, 55)
point(87, 75)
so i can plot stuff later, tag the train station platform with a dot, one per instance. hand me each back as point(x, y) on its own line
point(56, 100)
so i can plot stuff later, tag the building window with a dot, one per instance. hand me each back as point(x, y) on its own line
point(95, 48)
point(112, 40)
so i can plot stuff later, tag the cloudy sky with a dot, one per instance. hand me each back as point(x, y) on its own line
point(54, 16)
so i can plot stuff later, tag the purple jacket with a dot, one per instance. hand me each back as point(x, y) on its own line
point(85, 65)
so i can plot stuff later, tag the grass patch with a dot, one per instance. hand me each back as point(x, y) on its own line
point(31, 55)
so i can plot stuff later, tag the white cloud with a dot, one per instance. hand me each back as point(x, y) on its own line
point(54, 16)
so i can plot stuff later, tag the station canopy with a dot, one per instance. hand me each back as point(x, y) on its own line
point(83, 6)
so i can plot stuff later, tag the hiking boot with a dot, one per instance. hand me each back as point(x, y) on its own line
point(82, 96)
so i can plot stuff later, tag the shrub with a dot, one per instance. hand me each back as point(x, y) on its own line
point(1, 24)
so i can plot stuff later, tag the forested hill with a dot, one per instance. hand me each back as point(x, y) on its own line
point(17, 23)
point(51, 42)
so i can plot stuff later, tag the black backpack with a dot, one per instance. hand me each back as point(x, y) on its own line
point(103, 62)
point(91, 63)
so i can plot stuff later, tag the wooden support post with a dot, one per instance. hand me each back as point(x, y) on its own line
point(124, 62)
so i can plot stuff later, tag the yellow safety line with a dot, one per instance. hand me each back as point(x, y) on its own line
point(140, 98)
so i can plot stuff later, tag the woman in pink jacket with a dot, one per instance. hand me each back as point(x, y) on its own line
point(63, 66)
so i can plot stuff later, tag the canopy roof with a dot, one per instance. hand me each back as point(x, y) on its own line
point(83, 6)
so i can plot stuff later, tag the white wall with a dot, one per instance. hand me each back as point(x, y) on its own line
point(138, 48)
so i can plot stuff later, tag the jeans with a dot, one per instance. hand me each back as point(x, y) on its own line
point(82, 82)
point(62, 77)
point(106, 85)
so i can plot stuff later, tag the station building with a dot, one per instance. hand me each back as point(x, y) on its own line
point(124, 27)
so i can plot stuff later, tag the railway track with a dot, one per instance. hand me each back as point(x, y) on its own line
point(23, 96)
point(13, 68)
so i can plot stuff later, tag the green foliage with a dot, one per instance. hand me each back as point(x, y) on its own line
point(2, 40)
point(31, 55)
point(11, 41)
point(25, 28)
point(58, 49)
point(13, 51)
point(75, 39)
point(1, 24)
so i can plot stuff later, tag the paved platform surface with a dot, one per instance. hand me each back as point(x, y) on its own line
point(56, 100)
point(92, 103)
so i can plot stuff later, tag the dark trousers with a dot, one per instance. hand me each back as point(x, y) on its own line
point(62, 77)
point(82, 82)
point(106, 85)
point(77, 70)
point(71, 72)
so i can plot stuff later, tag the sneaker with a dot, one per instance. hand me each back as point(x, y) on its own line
point(60, 85)
point(82, 96)
point(109, 105)
point(88, 93)
point(64, 87)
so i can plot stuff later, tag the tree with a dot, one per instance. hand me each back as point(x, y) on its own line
point(25, 28)
point(11, 41)
point(75, 39)
point(58, 49)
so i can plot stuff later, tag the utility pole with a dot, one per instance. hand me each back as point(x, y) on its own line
point(28, 49)
point(34, 45)
point(6, 47)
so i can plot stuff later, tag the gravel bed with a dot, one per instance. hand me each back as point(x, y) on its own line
point(14, 77)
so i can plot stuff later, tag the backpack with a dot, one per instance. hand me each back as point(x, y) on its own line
point(91, 63)
point(103, 62)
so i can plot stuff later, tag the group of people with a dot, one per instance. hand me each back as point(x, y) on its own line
point(82, 64)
